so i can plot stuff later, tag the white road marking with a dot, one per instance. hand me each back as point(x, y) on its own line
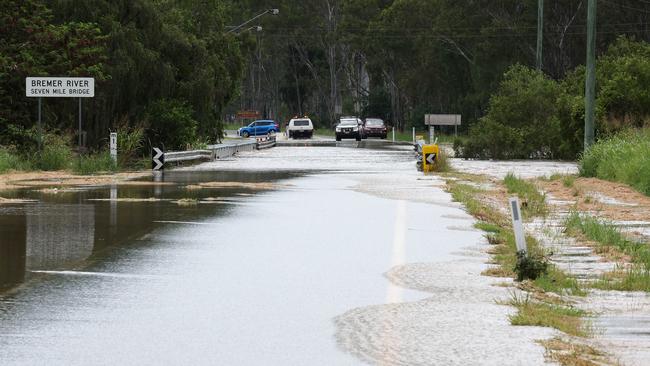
point(394, 293)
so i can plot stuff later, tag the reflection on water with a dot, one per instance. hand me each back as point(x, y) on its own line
point(58, 234)
point(66, 229)
point(12, 247)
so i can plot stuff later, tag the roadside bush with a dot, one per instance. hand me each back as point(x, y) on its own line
point(530, 266)
point(171, 124)
point(523, 119)
point(624, 158)
point(55, 155)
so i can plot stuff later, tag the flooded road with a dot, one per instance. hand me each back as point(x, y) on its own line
point(343, 256)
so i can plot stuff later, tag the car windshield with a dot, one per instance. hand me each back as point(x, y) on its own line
point(374, 122)
point(349, 122)
point(301, 122)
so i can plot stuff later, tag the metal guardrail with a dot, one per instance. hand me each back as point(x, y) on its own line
point(213, 152)
point(266, 142)
point(175, 156)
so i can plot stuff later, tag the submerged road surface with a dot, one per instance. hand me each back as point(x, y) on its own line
point(341, 256)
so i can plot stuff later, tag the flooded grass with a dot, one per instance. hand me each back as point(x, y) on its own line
point(612, 243)
point(632, 279)
point(567, 319)
point(533, 202)
point(569, 353)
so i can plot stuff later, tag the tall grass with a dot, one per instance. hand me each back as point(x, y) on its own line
point(55, 155)
point(622, 158)
point(10, 160)
point(96, 163)
point(533, 202)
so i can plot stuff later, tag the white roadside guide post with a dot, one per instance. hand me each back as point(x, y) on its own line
point(59, 87)
point(518, 225)
point(113, 146)
point(393, 133)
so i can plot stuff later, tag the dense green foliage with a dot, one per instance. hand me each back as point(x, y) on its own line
point(142, 53)
point(623, 158)
point(533, 116)
point(395, 59)
point(400, 59)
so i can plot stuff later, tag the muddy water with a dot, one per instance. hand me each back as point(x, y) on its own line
point(336, 265)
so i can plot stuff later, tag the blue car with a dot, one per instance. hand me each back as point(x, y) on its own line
point(259, 128)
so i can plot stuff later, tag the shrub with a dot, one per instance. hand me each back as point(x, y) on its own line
point(523, 119)
point(530, 266)
point(171, 124)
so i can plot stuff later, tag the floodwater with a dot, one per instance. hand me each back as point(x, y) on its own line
point(351, 258)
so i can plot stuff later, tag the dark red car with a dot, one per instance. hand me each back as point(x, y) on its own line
point(374, 127)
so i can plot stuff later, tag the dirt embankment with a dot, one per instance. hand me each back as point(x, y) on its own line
point(610, 200)
point(15, 180)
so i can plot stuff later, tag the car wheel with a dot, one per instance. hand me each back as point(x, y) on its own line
point(338, 138)
point(358, 138)
point(290, 134)
point(245, 134)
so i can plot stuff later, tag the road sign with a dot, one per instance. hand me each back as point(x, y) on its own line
point(429, 155)
point(158, 160)
point(442, 119)
point(59, 87)
point(113, 146)
point(517, 224)
point(248, 114)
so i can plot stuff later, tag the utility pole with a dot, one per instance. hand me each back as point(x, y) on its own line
point(540, 30)
point(590, 83)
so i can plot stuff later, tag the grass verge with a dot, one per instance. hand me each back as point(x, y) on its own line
point(611, 242)
point(533, 203)
point(547, 309)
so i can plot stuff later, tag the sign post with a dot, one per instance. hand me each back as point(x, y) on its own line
point(40, 126)
point(59, 87)
point(442, 120)
point(113, 146)
point(517, 225)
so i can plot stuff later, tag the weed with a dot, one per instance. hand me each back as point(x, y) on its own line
point(530, 266)
point(568, 180)
point(533, 202)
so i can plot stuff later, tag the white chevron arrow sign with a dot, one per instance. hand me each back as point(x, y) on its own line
point(431, 158)
point(158, 159)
